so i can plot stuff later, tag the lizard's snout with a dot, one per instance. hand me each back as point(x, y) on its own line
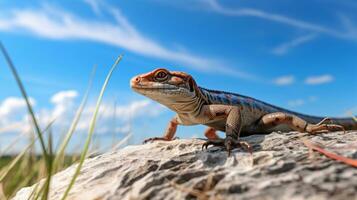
point(135, 81)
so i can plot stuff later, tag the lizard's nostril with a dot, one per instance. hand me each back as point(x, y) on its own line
point(135, 81)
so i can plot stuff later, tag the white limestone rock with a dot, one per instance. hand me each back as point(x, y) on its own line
point(280, 168)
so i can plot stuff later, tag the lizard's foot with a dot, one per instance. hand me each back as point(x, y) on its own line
point(158, 138)
point(229, 143)
point(215, 142)
point(324, 128)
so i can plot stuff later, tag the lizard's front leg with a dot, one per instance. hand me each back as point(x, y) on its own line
point(169, 133)
point(233, 125)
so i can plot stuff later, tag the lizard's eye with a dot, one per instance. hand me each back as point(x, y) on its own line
point(161, 75)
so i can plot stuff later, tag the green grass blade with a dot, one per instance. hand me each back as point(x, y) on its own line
point(31, 112)
point(75, 121)
point(24, 94)
point(49, 167)
point(34, 192)
point(91, 129)
point(12, 143)
point(12, 164)
point(114, 123)
point(122, 141)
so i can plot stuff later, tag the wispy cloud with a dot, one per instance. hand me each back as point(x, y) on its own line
point(53, 23)
point(63, 100)
point(95, 6)
point(315, 80)
point(300, 102)
point(13, 114)
point(348, 34)
point(14, 118)
point(12, 105)
point(127, 113)
point(296, 103)
point(284, 80)
point(287, 46)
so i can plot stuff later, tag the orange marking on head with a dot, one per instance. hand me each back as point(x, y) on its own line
point(176, 80)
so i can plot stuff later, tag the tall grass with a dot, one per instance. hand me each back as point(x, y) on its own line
point(45, 154)
point(61, 152)
point(27, 168)
point(91, 129)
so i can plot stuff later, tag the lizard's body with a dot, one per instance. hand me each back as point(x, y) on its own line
point(253, 110)
point(235, 114)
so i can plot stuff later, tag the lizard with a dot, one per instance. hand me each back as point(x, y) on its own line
point(236, 115)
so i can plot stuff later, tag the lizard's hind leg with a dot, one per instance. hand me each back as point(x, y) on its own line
point(321, 127)
point(296, 123)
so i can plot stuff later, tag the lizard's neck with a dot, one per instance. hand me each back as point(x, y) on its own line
point(186, 104)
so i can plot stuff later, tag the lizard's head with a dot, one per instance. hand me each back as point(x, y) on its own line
point(165, 86)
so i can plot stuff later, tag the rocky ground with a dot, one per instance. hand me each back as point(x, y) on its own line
point(281, 167)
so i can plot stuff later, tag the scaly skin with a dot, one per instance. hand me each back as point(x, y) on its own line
point(234, 114)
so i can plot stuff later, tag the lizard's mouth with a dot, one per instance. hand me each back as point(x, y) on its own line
point(139, 85)
point(154, 88)
point(157, 91)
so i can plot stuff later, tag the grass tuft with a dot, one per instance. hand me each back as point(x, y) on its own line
point(91, 129)
point(27, 167)
point(32, 115)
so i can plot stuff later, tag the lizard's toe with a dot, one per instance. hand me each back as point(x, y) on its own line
point(246, 146)
point(231, 143)
point(205, 145)
point(323, 128)
point(214, 142)
point(228, 143)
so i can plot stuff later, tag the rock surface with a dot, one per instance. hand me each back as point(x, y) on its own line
point(281, 167)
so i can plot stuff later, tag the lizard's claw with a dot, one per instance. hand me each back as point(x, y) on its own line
point(229, 143)
point(246, 146)
point(214, 142)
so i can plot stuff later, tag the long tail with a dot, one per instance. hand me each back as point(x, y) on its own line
point(347, 123)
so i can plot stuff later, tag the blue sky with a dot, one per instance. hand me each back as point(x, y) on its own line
point(298, 55)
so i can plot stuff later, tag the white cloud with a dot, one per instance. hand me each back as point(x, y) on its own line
point(296, 102)
point(14, 127)
point(312, 98)
point(284, 80)
point(64, 96)
point(13, 105)
point(349, 34)
point(14, 116)
point(63, 102)
point(64, 110)
point(123, 129)
point(125, 114)
point(315, 80)
point(53, 23)
point(285, 47)
point(300, 102)
point(95, 6)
